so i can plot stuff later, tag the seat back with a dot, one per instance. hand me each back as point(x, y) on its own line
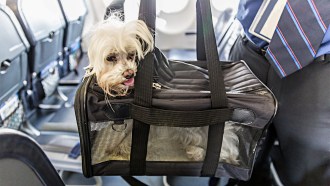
point(43, 24)
point(13, 65)
point(74, 12)
point(13, 54)
point(22, 162)
point(227, 30)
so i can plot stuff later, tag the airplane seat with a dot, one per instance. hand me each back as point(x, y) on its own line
point(22, 161)
point(227, 30)
point(74, 12)
point(13, 69)
point(43, 24)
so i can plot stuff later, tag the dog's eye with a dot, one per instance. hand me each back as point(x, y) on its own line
point(111, 58)
point(131, 56)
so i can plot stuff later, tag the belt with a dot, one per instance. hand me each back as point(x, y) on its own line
point(323, 58)
point(252, 46)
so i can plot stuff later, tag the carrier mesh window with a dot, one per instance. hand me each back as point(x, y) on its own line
point(112, 141)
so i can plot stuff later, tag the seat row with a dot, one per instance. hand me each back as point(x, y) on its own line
point(40, 44)
point(40, 47)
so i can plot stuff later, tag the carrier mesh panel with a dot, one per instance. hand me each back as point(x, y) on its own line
point(112, 141)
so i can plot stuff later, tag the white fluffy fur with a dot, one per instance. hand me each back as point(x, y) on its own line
point(113, 39)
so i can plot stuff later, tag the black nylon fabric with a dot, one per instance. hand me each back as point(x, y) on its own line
point(252, 103)
point(244, 92)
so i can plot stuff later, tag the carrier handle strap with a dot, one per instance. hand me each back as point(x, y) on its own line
point(200, 44)
point(143, 96)
point(175, 118)
point(205, 35)
point(133, 181)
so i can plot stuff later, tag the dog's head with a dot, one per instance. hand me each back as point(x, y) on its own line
point(114, 52)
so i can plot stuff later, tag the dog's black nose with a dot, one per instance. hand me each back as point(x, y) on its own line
point(128, 74)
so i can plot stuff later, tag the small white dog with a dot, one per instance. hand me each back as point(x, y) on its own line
point(114, 52)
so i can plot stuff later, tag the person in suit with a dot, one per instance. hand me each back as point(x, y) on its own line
point(302, 123)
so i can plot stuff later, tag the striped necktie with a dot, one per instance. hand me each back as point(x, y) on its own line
point(298, 35)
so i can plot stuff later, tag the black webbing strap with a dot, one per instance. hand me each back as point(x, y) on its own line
point(200, 49)
point(217, 85)
point(207, 48)
point(133, 181)
point(143, 96)
point(173, 118)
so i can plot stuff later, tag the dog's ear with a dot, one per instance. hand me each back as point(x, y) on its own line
point(144, 34)
point(97, 46)
point(145, 37)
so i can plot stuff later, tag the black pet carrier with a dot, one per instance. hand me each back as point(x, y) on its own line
point(221, 103)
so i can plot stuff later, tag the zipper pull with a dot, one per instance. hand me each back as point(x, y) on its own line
point(156, 86)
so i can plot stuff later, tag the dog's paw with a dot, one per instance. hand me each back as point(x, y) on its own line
point(195, 153)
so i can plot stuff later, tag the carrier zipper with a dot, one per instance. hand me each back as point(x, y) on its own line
point(156, 86)
point(159, 85)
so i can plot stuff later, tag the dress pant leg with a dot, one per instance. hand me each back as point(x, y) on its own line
point(302, 124)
